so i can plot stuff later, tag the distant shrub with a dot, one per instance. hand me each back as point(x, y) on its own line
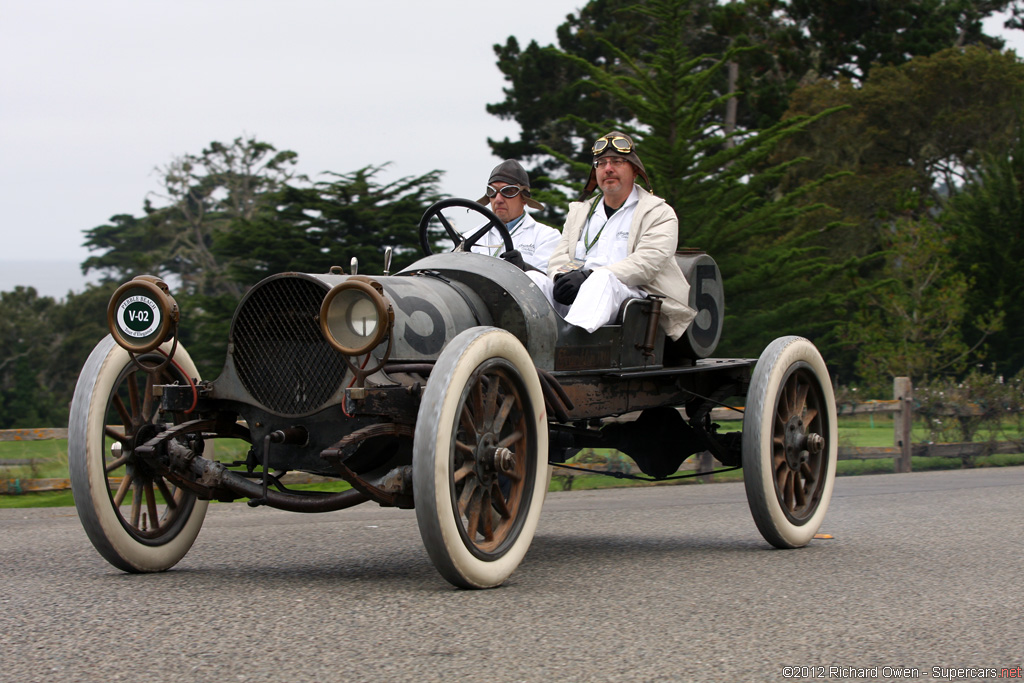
point(958, 410)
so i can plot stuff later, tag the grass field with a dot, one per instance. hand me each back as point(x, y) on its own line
point(49, 460)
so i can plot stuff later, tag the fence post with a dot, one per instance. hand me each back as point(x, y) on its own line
point(903, 392)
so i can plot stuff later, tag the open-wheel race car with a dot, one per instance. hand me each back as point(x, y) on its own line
point(448, 387)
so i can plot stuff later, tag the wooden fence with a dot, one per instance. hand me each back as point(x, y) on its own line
point(901, 406)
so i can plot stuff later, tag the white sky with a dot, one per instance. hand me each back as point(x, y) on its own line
point(94, 95)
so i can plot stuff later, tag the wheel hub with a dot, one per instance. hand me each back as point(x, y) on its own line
point(798, 442)
point(487, 459)
point(504, 460)
point(143, 434)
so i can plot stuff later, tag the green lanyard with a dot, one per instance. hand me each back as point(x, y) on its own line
point(587, 242)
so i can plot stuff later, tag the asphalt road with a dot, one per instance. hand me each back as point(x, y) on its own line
point(925, 570)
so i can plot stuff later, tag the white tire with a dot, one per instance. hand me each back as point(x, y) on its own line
point(480, 469)
point(148, 524)
point(789, 442)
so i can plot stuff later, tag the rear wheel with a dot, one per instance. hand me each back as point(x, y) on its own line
point(789, 442)
point(480, 470)
point(146, 523)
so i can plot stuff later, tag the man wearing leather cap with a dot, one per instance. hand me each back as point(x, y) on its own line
point(508, 193)
point(617, 246)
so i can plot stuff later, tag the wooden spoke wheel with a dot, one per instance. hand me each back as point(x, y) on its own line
point(789, 442)
point(480, 458)
point(138, 520)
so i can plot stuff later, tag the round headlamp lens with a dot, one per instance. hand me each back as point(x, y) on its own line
point(353, 317)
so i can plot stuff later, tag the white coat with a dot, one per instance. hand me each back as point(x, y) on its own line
point(535, 241)
point(650, 263)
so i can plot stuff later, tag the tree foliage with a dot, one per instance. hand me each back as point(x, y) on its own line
point(43, 345)
point(918, 91)
point(722, 186)
point(910, 323)
point(906, 139)
point(917, 127)
point(25, 323)
point(787, 44)
point(351, 215)
point(846, 39)
point(544, 85)
point(237, 213)
point(204, 196)
point(986, 220)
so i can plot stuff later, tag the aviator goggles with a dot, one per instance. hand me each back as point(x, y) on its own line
point(508, 191)
point(618, 142)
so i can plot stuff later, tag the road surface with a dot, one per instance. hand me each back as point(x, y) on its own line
point(924, 571)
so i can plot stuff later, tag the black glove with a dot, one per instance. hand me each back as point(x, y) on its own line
point(515, 258)
point(567, 285)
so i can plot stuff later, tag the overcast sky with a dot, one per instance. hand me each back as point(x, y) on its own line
point(94, 95)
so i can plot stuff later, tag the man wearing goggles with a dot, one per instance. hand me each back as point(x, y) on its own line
point(617, 246)
point(508, 193)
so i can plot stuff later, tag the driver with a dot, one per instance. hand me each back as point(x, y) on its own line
point(508, 192)
point(617, 246)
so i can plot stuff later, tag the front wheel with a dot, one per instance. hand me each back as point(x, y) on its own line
point(147, 524)
point(789, 442)
point(480, 469)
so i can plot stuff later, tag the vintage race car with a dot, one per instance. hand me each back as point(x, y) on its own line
point(449, 387)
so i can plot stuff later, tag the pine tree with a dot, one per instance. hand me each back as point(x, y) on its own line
point(723, 187)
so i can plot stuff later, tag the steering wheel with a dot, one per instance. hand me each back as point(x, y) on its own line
point(462, 243)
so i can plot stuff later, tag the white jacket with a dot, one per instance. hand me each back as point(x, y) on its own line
point(535, 241)
point(651, 264)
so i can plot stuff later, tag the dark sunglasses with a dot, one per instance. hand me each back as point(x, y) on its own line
point(621, 144)
point(509, 191)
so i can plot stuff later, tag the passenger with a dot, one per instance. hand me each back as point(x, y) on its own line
point(618, 246)
point(508, 191)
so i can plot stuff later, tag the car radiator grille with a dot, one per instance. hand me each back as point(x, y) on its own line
point(281, 357)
